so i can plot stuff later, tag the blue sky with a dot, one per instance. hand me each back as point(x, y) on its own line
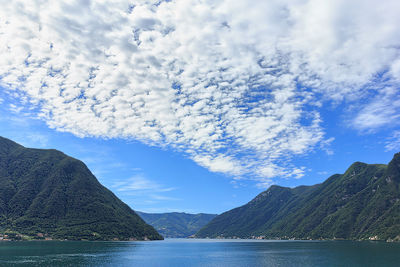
point(198, 106)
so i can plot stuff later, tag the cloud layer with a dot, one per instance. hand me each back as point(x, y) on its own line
point(236, 85)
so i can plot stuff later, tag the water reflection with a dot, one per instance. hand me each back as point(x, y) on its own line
point(181, 252)
point(63, 253)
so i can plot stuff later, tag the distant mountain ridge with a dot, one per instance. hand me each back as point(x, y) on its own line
point(176, 224)
point(45, 192)
point(362, 203)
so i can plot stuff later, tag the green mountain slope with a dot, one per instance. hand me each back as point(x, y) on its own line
point(45, 191)
point(176, 224)
point(362, 203)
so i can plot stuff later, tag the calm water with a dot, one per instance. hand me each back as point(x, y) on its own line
point(181, 252)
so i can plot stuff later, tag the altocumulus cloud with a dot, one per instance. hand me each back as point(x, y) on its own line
point(236, 85)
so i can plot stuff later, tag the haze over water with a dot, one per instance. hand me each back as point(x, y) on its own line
point(184, 252)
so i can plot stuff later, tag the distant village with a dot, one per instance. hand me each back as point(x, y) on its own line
point(14, 236)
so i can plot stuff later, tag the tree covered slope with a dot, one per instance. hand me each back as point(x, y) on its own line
point(45, 191)
point(362, 203)
point(176, 224)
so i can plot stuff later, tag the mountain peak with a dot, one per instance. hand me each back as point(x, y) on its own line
point(46, 191)
point(393, 169)
point(355, 168)
point(356, 205)
point(396, 159)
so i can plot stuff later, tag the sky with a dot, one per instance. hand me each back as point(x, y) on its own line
point(199, 105)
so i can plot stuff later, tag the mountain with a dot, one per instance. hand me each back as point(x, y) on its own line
point(176, 224)
point(47, 193)
point(362, 203)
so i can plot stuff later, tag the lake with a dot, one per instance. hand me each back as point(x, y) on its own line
point(195, 252)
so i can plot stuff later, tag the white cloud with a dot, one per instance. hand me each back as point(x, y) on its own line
point(40, 140)
point(384, 110)
point(393, 143)
point(237, 85)
point(144, 190)
point(264, 183)
point(219, 164)
point(15, 109)
point(163, 198)
point(140, 184)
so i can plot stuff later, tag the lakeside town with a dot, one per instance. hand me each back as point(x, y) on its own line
point(15, 236)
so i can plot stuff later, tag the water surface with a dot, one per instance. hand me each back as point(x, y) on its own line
point(194, 252)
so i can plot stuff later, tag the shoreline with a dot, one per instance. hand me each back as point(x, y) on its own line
point(204, 239)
